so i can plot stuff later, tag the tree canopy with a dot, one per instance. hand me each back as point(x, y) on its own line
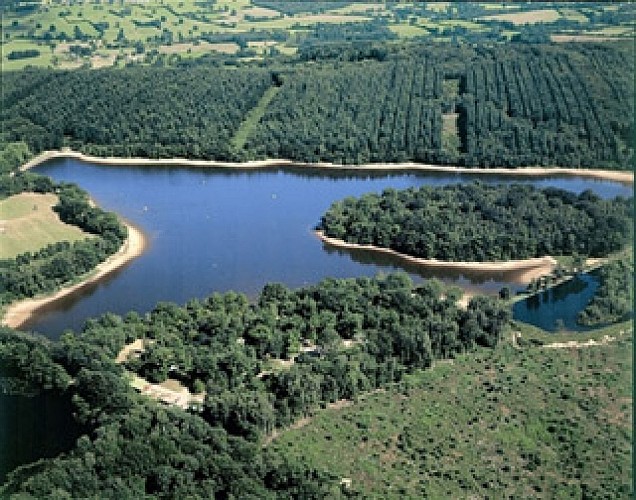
point(480, 222)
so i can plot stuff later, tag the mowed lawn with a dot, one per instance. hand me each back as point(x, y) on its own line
point(28, 223)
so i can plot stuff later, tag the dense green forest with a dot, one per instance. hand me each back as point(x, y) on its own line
point(614, 299)
point(522, 104)
point(138, 448)
point(45, 270)
point(478, 222)
point(153, 112)
point(545, 106)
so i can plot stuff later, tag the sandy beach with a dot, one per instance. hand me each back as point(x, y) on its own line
point(539, 265)
point(624, 177)
point(19, 312)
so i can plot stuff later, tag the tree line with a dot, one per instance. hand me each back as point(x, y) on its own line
point(480, 222)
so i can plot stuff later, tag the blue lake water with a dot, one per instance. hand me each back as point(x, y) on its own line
point(219, 229)
point(556, 309)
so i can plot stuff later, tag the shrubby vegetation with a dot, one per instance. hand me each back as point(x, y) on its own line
point(614, 299)
point(509, 423)
point(44, 271)
point(478, 222)
point(234, 351)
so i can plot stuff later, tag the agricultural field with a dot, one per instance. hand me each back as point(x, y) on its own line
point(66, 35)
point(28, 223)
point(528, 17)
point(529, 421)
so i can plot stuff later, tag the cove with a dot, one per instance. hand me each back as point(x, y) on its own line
point(34, 427)
point(219, 229)
point(556, 308)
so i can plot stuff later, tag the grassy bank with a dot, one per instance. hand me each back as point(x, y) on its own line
point(28, 223)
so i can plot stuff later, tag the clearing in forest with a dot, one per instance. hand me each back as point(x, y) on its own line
point(28, 223)
point(451, 142)
point(253, 117)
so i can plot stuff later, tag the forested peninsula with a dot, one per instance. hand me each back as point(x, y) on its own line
point(481, 223)
point(567, 105)
point(263, 366)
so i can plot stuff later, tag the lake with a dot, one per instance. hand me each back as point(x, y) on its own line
point(34, 427)
point(556, 308)
point(217, 230)
point(214, 230)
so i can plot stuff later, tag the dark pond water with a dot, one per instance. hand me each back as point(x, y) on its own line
point(218, 229)
point(556, 309)
point(34, 427)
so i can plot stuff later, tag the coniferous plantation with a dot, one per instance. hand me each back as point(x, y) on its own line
point(515, 105)
point(363, 333)
point(478, 222)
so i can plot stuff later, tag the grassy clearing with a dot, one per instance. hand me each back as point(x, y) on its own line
point(360, 8)
point(43, 59)
point(450, 133)
point(28, 223)
point(520, 423)
point(199, 48)
point(528, 17)
point(253, 117)
point(573, 15)
point(408, 31)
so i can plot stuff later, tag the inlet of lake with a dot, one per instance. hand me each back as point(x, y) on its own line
point(218, 229)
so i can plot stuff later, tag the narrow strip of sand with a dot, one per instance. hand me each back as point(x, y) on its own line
point(611, 175)
point(546, 263)
point(19, 312)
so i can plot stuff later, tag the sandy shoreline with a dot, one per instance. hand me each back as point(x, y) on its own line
point(19, 312)
point(510, 265)
point(611, 175)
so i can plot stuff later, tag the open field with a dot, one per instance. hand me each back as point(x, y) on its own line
point(583, 38)
point(529, 17)
point(171, 26)
point(526, 422)
point(28, 223)
point(253, 117)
